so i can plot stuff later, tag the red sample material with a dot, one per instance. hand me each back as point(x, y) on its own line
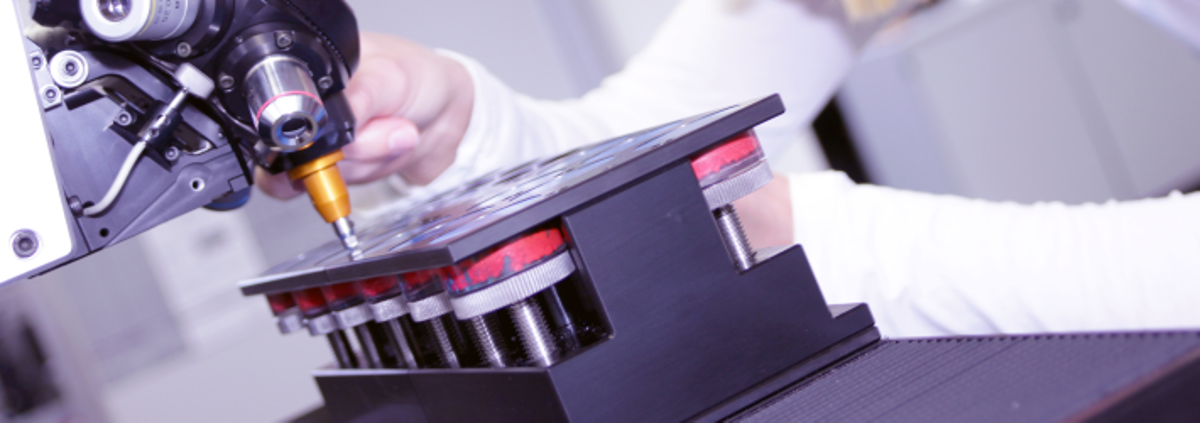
point(311, 301)
point(380, 287)
point(503, 261)
point(281, 302)
point(739, 148)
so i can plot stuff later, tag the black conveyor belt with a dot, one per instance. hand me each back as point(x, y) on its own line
point(978, 379)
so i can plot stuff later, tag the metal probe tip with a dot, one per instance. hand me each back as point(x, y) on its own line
point(345, 231)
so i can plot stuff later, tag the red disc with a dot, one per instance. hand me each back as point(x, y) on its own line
point(740, 147)
point(281, 302)
point(380, 286)
point(311, 301)
point(498, 263)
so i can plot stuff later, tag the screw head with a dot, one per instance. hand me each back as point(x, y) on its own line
point(172, 153)
point(183, 49)
point(24, 243)
point(124, 118)
point(37, 60)
point(75, 205)
point(325, 82)
point(226, 82)
point(51, 94)
point(283, 39)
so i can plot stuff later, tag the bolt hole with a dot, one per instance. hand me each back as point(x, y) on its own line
point(197, 184)
point(104, 232)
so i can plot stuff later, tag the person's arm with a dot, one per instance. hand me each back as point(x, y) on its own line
point(708, 54)
point(937, 265)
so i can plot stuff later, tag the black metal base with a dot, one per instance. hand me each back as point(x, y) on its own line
point(688, 329)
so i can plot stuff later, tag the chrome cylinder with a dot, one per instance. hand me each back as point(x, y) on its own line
point(445, 349)
point(399, 338)
point(139, 20)
point(535, 335)
point(735, 237)
point(487, 342)
point(284, 102)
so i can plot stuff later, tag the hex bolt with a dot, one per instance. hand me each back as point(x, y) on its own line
point(37, 60)
point(183, 49)
point(172, 153)
point(226, 82)
point(24, 243)
point(325, 82)
point(124, 118)
point(283, 39)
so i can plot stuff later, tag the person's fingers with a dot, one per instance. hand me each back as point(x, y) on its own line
point(382, 139)
point(378, 88)
point(277, 186)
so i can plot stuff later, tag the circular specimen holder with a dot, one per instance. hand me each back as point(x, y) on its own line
point(507, 276)
point(732, 170)
point(509, 273)
point(286, 312)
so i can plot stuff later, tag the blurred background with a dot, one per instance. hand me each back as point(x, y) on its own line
point(1015, 100)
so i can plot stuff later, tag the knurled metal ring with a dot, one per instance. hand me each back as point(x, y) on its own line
point(429, 308)
point(738, 186)
point(321, 325)
point(289, 321)
point(516, 288)
point(353, 316)
point(389, 309)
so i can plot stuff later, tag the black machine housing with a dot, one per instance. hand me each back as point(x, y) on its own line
point(207, 156)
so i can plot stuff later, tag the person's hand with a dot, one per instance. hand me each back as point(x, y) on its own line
point(412, 107)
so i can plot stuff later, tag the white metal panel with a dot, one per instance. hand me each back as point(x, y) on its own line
point(1146, 85)
point(1007, 112)
point(29, 194)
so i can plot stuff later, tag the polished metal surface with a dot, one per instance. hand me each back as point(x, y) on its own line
point(341, 349)
point(445, 349)
point(370, 350)
point(283, 99)
point(429, 308)
point(353, 316)
point(68, 68)
point(289, 321)
point(399, 338)
point(322, 324)
point(139, 20)
point(534, 334)
point(344, 229)
point(735, 237)
point(389, 309)
point(487, 341)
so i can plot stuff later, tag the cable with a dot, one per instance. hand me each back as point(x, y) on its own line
point(119, 183)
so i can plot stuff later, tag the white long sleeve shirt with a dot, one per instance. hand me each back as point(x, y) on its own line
point(926, 264)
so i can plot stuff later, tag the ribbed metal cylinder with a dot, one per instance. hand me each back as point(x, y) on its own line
point(370, 350)
point(735, 237)
point(341, 350)
point(487, 341)
point(399, 338)
point(445, 350)
point(535, 335)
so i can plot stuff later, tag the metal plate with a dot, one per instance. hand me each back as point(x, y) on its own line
point(29, 185)
point(454, 225)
